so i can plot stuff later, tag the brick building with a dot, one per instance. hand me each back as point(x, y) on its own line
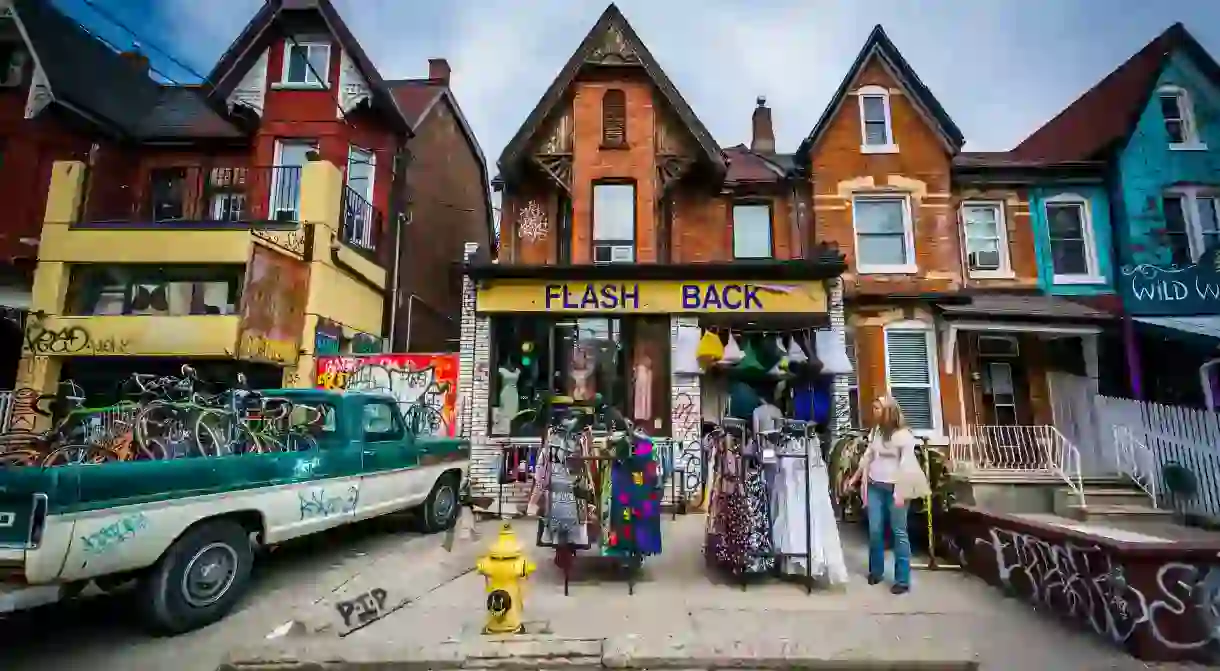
point(628, 235)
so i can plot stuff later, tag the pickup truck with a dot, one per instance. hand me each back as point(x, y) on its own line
point(186, 530)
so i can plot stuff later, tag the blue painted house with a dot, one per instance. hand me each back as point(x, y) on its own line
point(1155, 123)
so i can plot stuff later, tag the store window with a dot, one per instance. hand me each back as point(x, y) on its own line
point(141, 289)
point(544, 366)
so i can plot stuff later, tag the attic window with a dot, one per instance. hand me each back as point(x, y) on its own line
point(614, 118)
point(1179, 118)
point(306, 63)
point(876, 125)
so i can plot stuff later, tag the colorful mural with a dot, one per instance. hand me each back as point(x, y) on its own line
point(273, 307)
point(424, 384)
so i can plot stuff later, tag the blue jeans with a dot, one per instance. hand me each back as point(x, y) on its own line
point(880, 505)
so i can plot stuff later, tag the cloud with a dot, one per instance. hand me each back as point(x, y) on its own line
point(1000, 67)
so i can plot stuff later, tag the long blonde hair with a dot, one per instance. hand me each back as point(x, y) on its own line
point(889, 416)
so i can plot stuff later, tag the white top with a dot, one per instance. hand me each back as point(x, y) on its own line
point(884, 456)
point(767, 418)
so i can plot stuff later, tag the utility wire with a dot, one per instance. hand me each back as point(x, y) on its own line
point(140, 41)
point(113, 47)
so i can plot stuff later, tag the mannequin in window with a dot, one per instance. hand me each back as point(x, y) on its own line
point(642, 409)
point(510, 398)
point(581, 375)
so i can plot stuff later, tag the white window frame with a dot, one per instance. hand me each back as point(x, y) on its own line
point(853, 379)
point(276, 176)
point(890, 147)
point(911, 266)
point(769, 207)
point(309, 72)
point(1191, 195)
point(1093, 276)
point(1004, 271)
point(938, 423)
point(1190, 129)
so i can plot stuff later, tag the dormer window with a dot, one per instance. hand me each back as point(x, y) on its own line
point(876, 126)
point(1178, 114)
point(306, 64)
point(614, 118)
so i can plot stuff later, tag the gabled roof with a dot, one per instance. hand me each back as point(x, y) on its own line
point(750, 167)
point(84, 74)
point(417, 98)
point(1106, 114)
point(260, 31)
point(611, 18)
point(878, 44)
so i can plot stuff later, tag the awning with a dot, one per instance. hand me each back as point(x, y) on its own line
point(1207, 326)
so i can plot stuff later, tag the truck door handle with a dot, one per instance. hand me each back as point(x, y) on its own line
point(370, 453)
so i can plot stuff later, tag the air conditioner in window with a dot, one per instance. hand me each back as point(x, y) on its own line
point(984, 260)
point(613, 254)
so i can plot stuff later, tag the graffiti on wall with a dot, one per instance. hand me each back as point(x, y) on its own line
point(273, 307)
point(424, 384)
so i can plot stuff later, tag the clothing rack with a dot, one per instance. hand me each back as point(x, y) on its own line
point(742, 444)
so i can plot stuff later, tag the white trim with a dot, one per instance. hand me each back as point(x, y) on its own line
point(1004, 271)
point(275, 174)
point(911, 266)
point(1190, 128)
point(1210, 398)
point(1093, 276)
point(950, 334)
point(938, 423)
point(1191, 195)
point(285, 83)
point(890, 147)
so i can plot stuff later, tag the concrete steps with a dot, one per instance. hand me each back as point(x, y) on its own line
point(1113, 499)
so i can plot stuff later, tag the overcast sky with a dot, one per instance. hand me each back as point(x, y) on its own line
point(1000, 67)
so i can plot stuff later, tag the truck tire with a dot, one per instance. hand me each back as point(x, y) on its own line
point(440, 511)
point(198, 580)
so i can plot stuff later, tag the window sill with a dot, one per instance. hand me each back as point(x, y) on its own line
point(614, 147)
point(992, 275)
point(1188, 146)
point(1078, 279)
point(298, 86)
point(887, 270)
point(878, 149)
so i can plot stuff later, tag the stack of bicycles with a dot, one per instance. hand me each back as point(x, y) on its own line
point(160, 418)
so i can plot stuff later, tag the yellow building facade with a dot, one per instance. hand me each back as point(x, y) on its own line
point(293, 275)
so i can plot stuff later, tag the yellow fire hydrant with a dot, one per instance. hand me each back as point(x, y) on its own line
point(505, 566)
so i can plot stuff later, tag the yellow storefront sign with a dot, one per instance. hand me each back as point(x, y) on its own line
point(651, 297)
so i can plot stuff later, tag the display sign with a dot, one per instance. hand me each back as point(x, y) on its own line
point(651, 297)
point(1171, 291)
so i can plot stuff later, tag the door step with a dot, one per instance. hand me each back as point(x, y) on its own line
point(1117, 511)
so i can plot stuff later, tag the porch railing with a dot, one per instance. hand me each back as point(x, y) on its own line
point(361, 221)
point(1016, 449)
point(220, 194)
point(1136, 461)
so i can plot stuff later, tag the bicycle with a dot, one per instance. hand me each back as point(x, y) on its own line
point(164, 426)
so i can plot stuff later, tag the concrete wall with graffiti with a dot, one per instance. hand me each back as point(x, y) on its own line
point(424, 384)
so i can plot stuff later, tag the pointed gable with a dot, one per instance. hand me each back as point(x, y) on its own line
point(240, 74)
point(879, 46)
point(611, 43)
point(1107, 113)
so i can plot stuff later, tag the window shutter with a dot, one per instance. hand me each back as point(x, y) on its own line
point(614, 117)
point(910, 379)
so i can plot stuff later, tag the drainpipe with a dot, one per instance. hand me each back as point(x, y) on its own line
point(402, 219)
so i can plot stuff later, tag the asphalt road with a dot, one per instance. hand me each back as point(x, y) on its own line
point(102, 633)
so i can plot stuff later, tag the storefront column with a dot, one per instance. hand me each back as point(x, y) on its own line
point(685, 401)
point(841, 421)
point(474, 365)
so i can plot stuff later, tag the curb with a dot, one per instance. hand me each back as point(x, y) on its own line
point(575, 654)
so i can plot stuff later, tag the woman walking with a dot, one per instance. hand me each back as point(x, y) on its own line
point(890, 476)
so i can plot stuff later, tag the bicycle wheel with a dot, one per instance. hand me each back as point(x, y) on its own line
point(78, 454)
point(296, 441)
point(20, 458)
point(153, 421)
point(214, 433)
point(267, 442)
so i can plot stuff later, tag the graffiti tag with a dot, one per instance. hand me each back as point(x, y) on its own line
point(318, 503)
point(70, 340)
point(114, 534)
point(366, 608)
point(423, 384)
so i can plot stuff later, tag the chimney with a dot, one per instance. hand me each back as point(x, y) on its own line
point(763, 140)
point(137, 60)
point(438, 70)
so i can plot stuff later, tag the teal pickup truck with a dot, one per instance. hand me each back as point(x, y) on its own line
point(186, 530)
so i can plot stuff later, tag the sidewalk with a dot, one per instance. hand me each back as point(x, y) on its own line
point(678, 618)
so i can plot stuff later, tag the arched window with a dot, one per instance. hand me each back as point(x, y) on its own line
point(614, 118)
point(876, 126)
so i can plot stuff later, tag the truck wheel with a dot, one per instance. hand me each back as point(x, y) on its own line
point(440, 511)
point(199, 579)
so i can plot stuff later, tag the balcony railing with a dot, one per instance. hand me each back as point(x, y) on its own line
point(215, 195)
point(360, 223)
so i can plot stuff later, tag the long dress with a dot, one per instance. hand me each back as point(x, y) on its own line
point(739, 539)
point(788, 501)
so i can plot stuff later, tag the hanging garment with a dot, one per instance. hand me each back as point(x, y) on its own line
point(742, 400)
point(749, 361)
point(823, 393)
point(686, 346)
point(732, 352)
point(767, 417)
point(710, 349)
point(795, 353)
point(635, 506)
point(832, 353)
point(802, 402)
point(790, 505)
point(745, 547)
point(643, 393)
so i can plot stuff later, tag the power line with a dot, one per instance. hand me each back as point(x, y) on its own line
point(140, 41)
point(110, 45)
